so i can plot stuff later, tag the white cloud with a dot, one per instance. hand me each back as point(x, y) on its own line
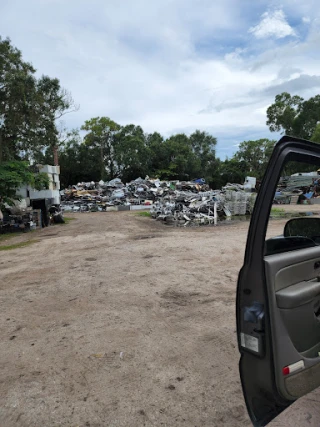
point(235, 55)
point(143, 62)
point(273, 24)
point(306, 19)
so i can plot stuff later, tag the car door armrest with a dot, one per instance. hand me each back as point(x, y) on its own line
point(296, 295)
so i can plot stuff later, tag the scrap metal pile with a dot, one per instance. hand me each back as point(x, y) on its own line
point(185, 208)
point(291, 187)
point(174, 202)
point(99, 196)
point(296, 182)
point(14, 219)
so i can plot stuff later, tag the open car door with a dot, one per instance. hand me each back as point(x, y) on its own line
point(278, 301)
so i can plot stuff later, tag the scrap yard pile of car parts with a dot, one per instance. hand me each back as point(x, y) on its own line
point(205, 207)
point(173, 202)
point(291, 187)
point(104, 196)
point(15, 219)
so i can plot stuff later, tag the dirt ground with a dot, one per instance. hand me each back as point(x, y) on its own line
point(116, 320)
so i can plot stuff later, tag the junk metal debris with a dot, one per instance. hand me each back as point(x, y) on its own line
point(56, 215)
point(173, 202)
point(15, 219)
point(85, 197)
point(298, 188)
point(185, 208)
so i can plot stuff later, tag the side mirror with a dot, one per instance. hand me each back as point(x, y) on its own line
point(303, 227)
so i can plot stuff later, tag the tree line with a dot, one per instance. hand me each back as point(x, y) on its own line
point(31, 132)
point(129, 153)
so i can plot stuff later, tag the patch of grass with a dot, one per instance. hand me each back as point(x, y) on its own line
point(277, 211)
point(8, 236)
point(67, 219)
point(17, 245)
point(144, 213)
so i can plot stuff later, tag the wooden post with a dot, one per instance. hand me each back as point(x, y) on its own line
point(55, 156)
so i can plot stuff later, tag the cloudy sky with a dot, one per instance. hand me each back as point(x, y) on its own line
point(173, 65)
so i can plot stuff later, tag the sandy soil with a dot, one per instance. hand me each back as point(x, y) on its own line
point(117, 320)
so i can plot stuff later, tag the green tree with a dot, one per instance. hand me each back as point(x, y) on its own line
point(157, 154)
point(131, 153)
point(181, 161)
point(253, 156)
point(316, 134)
point(53, 102)
point(204, 148)
point(78, 162)
point(292, 115)
point(29, 107)
point(182, 157)
point(283, 112)
point(308, 118)
point(102, 133)
point(17, 94)
point(15, 174)
point(232, 171)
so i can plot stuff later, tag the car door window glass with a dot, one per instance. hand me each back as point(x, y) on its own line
point(294, 220)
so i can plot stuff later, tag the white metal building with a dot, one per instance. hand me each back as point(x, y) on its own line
point(52, 194)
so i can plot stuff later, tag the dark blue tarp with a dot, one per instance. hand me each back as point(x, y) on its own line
point(199, 181)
